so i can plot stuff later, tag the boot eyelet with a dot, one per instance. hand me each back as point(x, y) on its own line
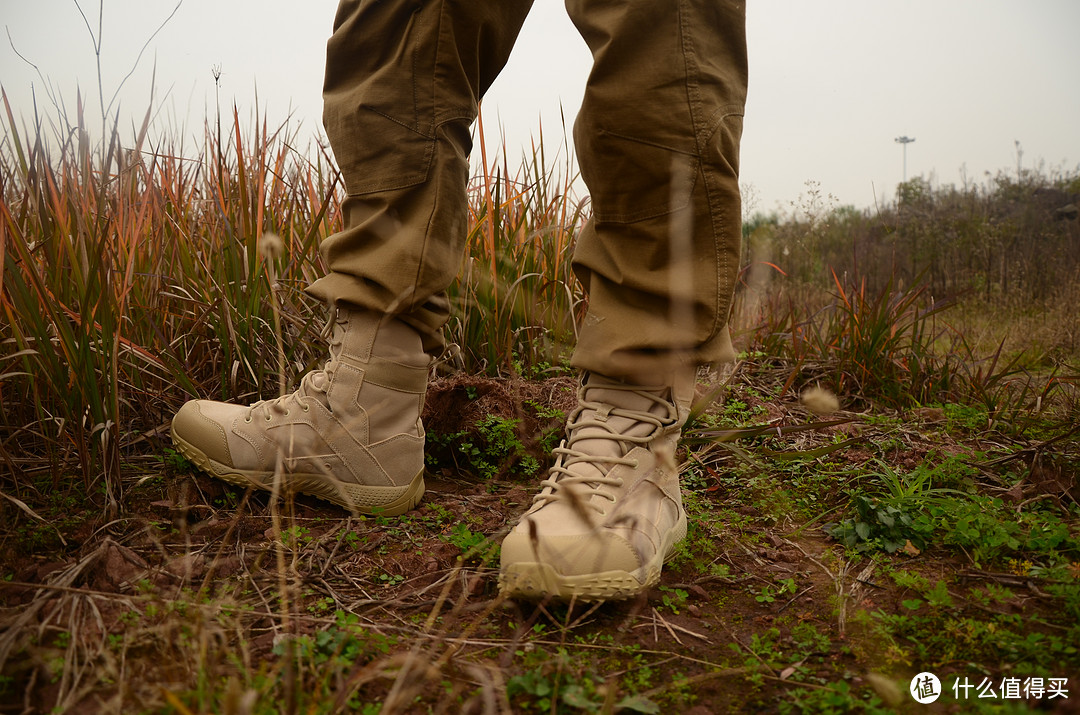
point(269, 418)
point(248, 419)
point(286, 413)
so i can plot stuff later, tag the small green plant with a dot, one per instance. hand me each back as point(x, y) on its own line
point(550, 436)
point(835, 697)
point(539, 690)
point(895, 513)
point(390, 580)
point(673, 598)
point(295, 536)
point(350, 538)
point(878, 525)
point(175, 461)
point(490, 449)
point(808, 639)
point(988, 530)
point(473, 545)
point(341, 644)
point(965, 417)
point(322, 605)
point(532, 689)
point(769, 593)
point(938, 596)
point(765, 595)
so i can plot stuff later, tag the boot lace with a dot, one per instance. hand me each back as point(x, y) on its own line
point(571, 477)
point(316, 382)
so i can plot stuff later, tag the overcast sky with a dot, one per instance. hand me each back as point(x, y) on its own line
point(833, 83)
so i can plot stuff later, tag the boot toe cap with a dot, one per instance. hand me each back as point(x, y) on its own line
point(570, 554)
point(193, 429)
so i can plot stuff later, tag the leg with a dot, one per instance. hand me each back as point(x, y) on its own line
point(403, 81)
point(657, 137)
point(658, 141)
point(402, 88)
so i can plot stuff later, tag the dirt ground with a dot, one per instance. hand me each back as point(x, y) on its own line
point(202, 598)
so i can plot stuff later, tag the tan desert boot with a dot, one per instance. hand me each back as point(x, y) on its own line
point(610, 511)
point(351, 434)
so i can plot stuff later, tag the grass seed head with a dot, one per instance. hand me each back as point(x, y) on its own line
point(819, 401)
point(271, 246)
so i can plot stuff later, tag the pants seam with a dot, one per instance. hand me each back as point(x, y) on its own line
point(716, 219)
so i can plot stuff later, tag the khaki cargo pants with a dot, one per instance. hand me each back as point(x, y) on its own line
point(657, 139)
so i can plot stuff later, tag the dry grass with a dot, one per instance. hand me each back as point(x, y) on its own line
point(1046, 332)
point(134, 279)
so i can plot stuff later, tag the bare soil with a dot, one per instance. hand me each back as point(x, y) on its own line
point(191, 600)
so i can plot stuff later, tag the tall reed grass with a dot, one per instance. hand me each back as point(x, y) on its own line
point(516, 302)
point(133, 280)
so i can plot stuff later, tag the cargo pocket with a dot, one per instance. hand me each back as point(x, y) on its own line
point(379, 107)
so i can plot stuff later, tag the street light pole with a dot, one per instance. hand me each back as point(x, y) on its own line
point(905, 140)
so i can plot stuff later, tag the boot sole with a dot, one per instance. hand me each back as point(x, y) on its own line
point(537, 580)
point(357, 498)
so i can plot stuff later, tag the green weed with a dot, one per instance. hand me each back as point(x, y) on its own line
point(833, 698)
point(472, 544)
point(556, 687)
point(491, 448)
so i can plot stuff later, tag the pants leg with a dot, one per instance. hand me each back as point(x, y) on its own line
point(657, 139)
point(403, 82)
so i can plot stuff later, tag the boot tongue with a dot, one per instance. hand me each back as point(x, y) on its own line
point(320, 379)
point(601, 439)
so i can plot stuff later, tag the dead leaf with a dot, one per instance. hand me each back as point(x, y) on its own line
point(790, 670)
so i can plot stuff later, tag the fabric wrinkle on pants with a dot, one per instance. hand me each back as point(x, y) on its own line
point(657, 140)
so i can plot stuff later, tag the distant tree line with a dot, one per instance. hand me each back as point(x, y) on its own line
point(1016, 234)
